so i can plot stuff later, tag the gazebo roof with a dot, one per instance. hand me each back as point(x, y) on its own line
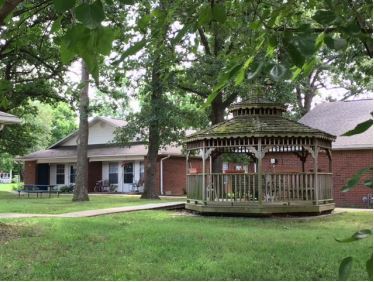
point(258, 118)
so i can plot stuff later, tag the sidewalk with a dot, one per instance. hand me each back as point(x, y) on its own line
point(98, 212)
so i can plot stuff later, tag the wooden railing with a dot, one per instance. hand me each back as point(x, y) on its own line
point(243, 187)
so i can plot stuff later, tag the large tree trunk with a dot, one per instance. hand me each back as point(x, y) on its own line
point(81, 183)
point(150, 183)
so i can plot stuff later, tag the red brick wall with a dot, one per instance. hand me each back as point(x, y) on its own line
point(345, 164)
point(29, 175)
point(174, 174)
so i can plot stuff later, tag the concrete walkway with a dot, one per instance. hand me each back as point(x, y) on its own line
point(90, 213)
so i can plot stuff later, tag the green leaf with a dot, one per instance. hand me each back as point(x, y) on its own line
point(345, 268)
point(205, 15)
point(277, 72)
point(297, 58)
point(63, 5)
point(56, 24)
point(324, 17)
point(243, 70)
point(359, 235)
point(340, 43)
point(132, 50)
point(360, 128)
point(143, 23)
point(67, 55)
point(219, 13)
point(296, 73)
point(223, 80)
point(355, 179)
point(319, 40)
point(105, 38)
point(181, 34)
point(91, 15)
point(369, 267)
point(251, 75)
point(369, 183)
point(2, 3)
point(127, 2)
point(306, 45)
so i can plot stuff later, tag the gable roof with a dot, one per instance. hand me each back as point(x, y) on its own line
point(6, 118)
point(111, 121)
point(99, 151)
point(339, 117)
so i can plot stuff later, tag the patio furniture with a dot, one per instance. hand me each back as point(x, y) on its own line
point(102, 186)
point(39, 190)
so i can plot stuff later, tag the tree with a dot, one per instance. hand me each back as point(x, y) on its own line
point(81, 185)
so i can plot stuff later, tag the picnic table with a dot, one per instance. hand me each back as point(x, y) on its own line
point(39, 190)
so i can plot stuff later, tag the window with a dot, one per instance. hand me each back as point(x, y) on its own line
point(128, 174)
point(73, 173)
point(60, 174)
point(113, 173)
point(141, 177)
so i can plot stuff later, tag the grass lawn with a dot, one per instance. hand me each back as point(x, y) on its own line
point(9, 202)
point(166, 245)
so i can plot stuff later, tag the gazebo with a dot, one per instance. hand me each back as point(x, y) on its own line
point(259, 129)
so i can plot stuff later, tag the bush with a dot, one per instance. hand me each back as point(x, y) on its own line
point(17, 186)
point(67, 189)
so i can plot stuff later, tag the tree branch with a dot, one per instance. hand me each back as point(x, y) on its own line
point(7, 9)
point(204, 41)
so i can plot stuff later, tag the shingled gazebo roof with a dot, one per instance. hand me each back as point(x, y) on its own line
point(258, 117)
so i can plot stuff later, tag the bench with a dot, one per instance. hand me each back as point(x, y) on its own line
point(39, 190)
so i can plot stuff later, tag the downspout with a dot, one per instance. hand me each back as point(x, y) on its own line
point(162, 174)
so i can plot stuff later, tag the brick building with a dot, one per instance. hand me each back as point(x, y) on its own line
point(349, 153)
point(120, 167)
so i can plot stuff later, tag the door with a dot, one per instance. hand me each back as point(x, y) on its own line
point(43, 175)
point(128, 176)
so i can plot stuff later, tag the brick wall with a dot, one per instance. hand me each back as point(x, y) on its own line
point(29, 175)
point(345, 164)
point(174, 174)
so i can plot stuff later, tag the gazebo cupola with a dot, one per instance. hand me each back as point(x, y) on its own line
point(259, 130)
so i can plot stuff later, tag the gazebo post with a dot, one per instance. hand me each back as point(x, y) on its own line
point(187, 182)
point(259, 170)
point(204, 188)
point(315, 170)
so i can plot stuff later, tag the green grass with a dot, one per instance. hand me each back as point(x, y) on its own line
point(10, 203)
point(7, 187)
point(165, 245)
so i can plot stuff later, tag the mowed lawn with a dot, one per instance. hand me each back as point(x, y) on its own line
point(168, 245)
point(11, 203)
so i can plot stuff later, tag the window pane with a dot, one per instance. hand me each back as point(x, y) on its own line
point(60, 174)
point(113, 178)
point(60, 168)
point(128, 178)
point(60, 179)
point(113, 168)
